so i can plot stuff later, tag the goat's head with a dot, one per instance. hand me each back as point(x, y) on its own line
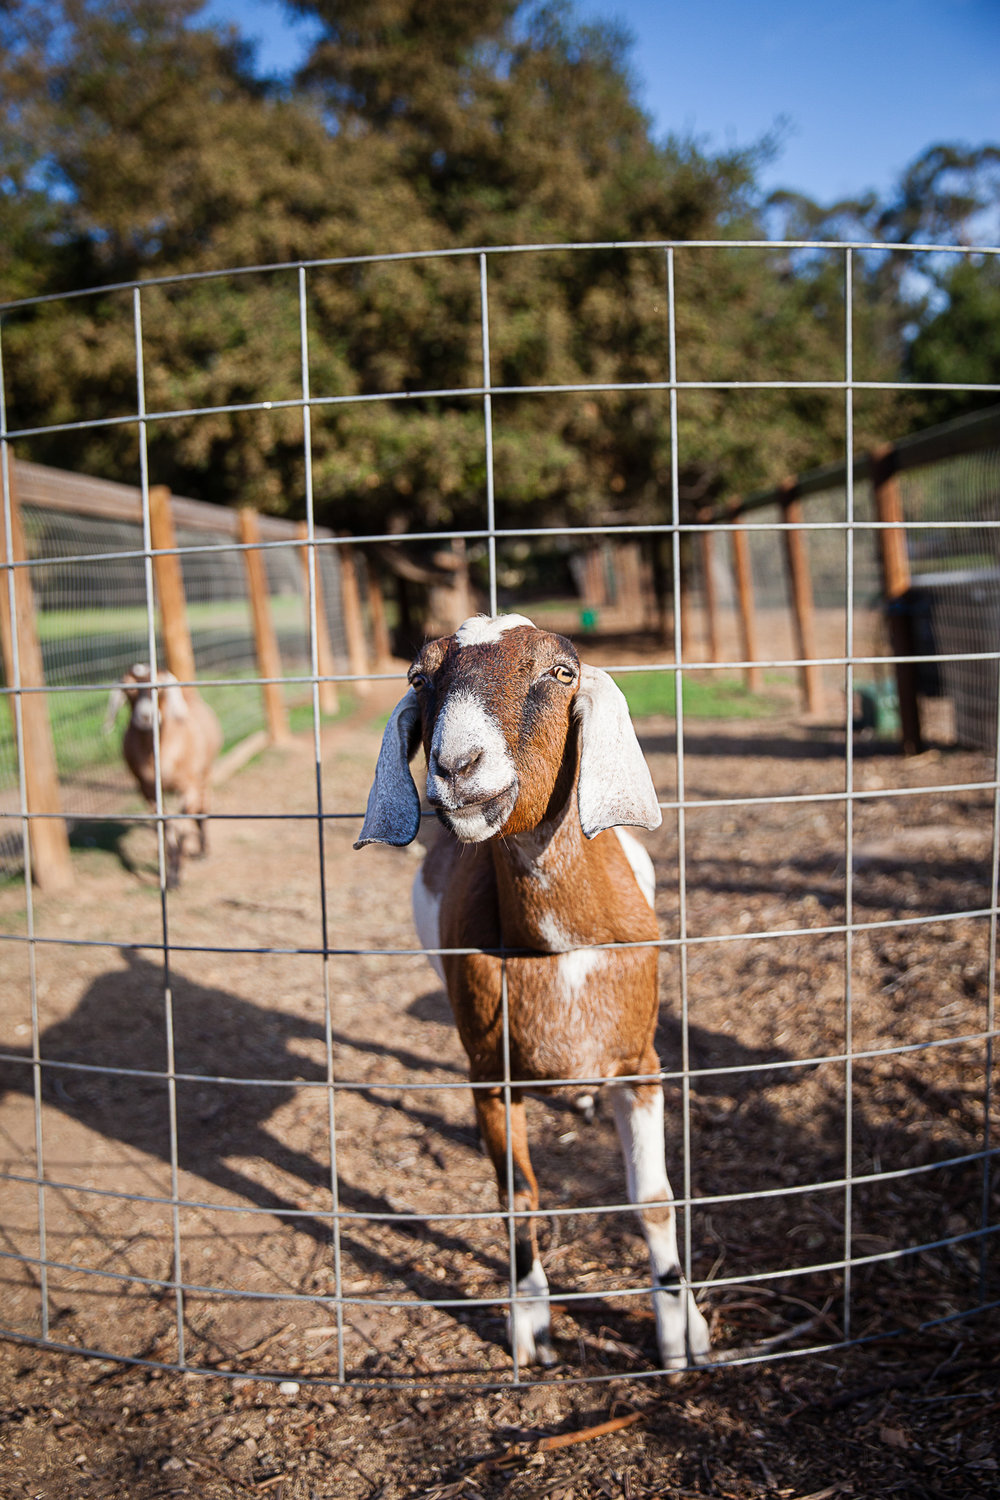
point(508, 717)
point(135, 689)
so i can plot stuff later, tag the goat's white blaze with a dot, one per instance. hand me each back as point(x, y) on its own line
point(467, 734)
point(528, 1328)
point(427, 920)
point(484, 630)
point(680, 1327)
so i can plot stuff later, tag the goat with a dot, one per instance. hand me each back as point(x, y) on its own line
point(532, 766)
point(190, 738)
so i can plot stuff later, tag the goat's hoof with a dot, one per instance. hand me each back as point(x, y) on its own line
point(535, 1349)
point(545, 1354)
point(528, 1329)
point(683, 1336)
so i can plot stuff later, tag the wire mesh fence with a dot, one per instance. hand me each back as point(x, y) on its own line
point(236, 1120)
point(90, 588)
point(957, 584)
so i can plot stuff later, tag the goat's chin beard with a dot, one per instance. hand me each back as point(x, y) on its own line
point(482, 820)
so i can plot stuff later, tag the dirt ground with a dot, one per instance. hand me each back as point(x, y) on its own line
point(788, 1143)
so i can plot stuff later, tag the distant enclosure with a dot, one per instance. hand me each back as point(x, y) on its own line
point(925, 585)
point(84, 537)
point(922, 569)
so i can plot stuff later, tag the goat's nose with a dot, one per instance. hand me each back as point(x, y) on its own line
point(453, 767)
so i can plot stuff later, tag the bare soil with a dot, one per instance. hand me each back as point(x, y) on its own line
point(785, 1137)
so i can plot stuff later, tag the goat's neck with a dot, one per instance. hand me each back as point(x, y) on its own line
point(549, 882)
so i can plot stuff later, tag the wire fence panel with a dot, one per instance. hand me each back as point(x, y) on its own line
point(236, 1118)
point(956, 584)
point(90, 588)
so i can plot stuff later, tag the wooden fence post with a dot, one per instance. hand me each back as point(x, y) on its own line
point(711, 601)
point(51, 866)
point(685, 584)
point(169, 581)
point(329, 698)
point(797, 558)
point(663, 584)
point(354, 628)
point(895, 565)
point(744, 594)
point(268, 659)
point(380, 630)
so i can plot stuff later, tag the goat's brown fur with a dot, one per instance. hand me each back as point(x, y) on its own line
point(528, 882)
point(190, 738)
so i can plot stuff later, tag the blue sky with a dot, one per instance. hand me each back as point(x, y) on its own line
point(855, 88)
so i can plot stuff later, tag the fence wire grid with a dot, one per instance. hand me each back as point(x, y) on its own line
point(224, 1152)
point(88, 577)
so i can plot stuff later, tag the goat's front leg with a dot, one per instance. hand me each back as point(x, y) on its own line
point(173, 838)
point(528, 1325)
point(172, 842)
point(194, 805)
point(681, 1331)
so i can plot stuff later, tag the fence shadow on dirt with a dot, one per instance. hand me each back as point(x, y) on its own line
point(240, 1064)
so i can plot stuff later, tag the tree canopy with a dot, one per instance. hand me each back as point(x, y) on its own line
point(137, 142)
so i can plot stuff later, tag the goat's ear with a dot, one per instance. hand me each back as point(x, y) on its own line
point(393, 815)
point(615, 786)
point(116, 701)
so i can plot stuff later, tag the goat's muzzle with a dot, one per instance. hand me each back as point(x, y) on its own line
point(472, 820)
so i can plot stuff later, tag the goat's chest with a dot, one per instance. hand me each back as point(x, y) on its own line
point(578, 1014)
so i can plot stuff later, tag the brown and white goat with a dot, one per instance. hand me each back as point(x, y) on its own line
point(190, 738)
point(532, 766)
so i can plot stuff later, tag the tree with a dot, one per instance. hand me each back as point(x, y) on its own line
point(519, 125)
point(927, 315)
point(139, 143)
point(164, 155)
point(960, 343)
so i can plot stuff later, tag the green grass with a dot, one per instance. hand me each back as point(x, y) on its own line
point(705, 696)
point(95, 637)
point(96, 641)
point(71, 624)
point(77, 721)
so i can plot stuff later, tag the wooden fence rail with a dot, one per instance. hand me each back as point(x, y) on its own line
point(881, 466)
point(45, 488)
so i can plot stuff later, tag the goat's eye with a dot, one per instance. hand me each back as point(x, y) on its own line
point(562, 672)
point(417, 680)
